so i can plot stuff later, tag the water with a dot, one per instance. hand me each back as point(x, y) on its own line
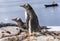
point(54, 28)
point(47, 16)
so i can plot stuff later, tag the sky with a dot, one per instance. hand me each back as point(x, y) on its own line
point(10, 9)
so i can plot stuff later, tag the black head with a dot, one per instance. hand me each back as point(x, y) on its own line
point(17, 19)
point(26, 6)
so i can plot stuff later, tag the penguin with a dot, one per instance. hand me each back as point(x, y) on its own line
point(20, 23)
point(32, 19)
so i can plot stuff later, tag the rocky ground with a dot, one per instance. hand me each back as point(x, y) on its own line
point(10, 33)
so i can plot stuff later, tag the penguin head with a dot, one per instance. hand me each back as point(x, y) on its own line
point(17, 19)
point(26, 6)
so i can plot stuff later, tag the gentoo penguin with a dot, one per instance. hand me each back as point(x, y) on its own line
point(32, 19)
point(20, 23)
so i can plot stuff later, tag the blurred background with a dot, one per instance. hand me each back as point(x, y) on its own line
point(47, 16)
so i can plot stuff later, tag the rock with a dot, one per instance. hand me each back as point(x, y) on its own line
point(56, 39)
point(13, 38)
point(1, 35)
point(50, 38)
point(9, 31)
point(31, 38)
point(41, 38)
point(21, 37)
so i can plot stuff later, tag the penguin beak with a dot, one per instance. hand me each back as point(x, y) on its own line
point(21, 5)
point(13, 19)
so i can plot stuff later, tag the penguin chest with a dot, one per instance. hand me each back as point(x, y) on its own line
point(25, 14)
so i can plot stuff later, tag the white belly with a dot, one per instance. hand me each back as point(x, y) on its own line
point(25, 15)
point(29, 23)
point(29, 27)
